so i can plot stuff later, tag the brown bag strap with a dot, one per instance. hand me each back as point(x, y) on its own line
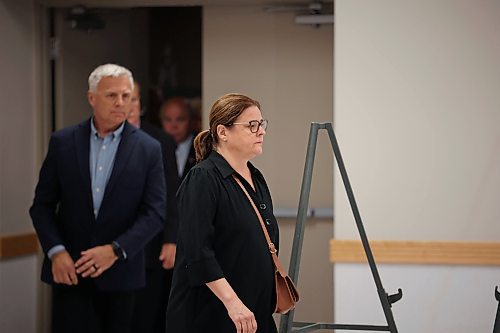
point(272, 248)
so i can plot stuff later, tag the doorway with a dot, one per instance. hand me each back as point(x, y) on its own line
point(161, 46)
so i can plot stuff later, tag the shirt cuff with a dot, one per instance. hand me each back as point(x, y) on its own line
point(55, 249)
point(203, 271)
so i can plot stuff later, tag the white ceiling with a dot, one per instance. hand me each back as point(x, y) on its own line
point(166, 3)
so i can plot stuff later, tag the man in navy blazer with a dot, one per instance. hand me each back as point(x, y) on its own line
point(100, 198)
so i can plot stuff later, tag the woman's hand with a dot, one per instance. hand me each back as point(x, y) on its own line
point(242, 317)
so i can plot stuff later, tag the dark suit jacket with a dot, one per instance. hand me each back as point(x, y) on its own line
point(131, 213)
point(169, 234)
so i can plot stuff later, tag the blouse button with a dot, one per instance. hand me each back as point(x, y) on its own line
point(268, 221)
point(262, 206)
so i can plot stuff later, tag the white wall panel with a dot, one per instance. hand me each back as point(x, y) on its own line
point(416, 115)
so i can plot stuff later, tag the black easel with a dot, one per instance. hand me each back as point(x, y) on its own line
point(287, 325)
point(496, 326)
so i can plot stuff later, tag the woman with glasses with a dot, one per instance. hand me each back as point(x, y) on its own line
point(224, 275)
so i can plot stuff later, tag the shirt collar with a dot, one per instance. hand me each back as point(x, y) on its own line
point(225, 169)
point(116, 134)
point(186, 144)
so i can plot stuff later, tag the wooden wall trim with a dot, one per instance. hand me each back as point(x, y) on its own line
point(417, 252)
point(12, 246)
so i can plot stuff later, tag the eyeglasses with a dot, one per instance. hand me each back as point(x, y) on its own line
point(254, 125)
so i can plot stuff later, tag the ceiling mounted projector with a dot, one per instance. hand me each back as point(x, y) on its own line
point(314, 13)
point(315, 19)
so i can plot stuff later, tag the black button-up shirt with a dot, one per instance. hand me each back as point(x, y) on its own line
point(220, 236)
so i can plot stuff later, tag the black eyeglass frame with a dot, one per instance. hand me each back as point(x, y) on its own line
point(260, 123)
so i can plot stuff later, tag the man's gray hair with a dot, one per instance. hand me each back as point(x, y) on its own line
point(108, 70)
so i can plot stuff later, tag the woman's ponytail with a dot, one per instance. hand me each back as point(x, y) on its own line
point(203, 145)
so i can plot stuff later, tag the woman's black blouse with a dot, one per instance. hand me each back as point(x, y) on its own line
point(220, 237)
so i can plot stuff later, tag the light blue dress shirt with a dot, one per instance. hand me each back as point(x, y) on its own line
point(101, 162)
point(182, 154)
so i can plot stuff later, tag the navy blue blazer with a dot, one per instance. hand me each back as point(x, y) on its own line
point(131, 213)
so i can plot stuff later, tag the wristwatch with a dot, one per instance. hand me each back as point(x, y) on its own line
point(117, 249)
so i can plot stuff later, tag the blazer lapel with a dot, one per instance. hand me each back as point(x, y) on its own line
point(123, 153)
point(191, 161)
point(82, 147)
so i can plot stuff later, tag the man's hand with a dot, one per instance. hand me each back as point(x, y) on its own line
point(95, 261)
point(63, 268)
point(167, 255)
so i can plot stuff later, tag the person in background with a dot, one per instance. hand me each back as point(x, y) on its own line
point(100, 198)
point(224, 274)
point(176, 120)
point(151, 302)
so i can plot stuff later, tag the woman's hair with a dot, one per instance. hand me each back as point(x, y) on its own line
point(225, 111)
point(108, 70)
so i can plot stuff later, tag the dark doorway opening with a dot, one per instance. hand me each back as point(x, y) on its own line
point(175, 48)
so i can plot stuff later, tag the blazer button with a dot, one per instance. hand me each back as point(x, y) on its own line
point(268, 221)
point(262, 206)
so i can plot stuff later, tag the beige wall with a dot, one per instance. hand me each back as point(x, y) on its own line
point(80, 52)
point(289, 69)
point(18, 156)
point(417, 114)
point(17, 130)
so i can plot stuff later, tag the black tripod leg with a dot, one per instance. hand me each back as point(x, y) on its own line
point(496, 326)
point(298, 238)
point(385, 299)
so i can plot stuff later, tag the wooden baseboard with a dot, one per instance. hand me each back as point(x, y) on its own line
point(417, 252)
point(12, 246)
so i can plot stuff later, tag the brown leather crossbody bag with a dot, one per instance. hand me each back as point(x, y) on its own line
point(286, 292)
